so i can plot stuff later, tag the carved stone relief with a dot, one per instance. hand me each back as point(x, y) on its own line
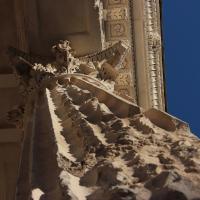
point(117, 20)
point(116, 30)
point(119, 25)
point(116, 14)
point(123, 79)
point(154, 53)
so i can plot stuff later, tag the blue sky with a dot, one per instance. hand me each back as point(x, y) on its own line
point(181, 23)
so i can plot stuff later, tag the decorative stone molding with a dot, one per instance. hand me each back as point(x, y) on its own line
point(154, 41)
point(123, 79)
point(116, 14)
point(154, 53)
point(116, 20)
point(119, 25)
point(116, 30)
point(107, 53)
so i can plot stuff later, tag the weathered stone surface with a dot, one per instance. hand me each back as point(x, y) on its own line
point(89, 143)
point(120, 158)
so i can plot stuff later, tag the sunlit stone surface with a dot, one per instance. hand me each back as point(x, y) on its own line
point(90, 124)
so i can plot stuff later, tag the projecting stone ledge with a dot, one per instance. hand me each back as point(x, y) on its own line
point(90, 144)
point(124, 108)
point(149, 155)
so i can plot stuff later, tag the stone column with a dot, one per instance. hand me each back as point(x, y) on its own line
point(140, 54)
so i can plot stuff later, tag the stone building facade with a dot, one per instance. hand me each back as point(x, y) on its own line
point(124, 37)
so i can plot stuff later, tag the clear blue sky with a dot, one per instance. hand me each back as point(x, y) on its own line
point(181, 20)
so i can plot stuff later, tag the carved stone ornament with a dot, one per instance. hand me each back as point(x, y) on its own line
point(114, 2)
point(117, 29)
point(123, 79)
point(117, 14)
point(154, 41)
